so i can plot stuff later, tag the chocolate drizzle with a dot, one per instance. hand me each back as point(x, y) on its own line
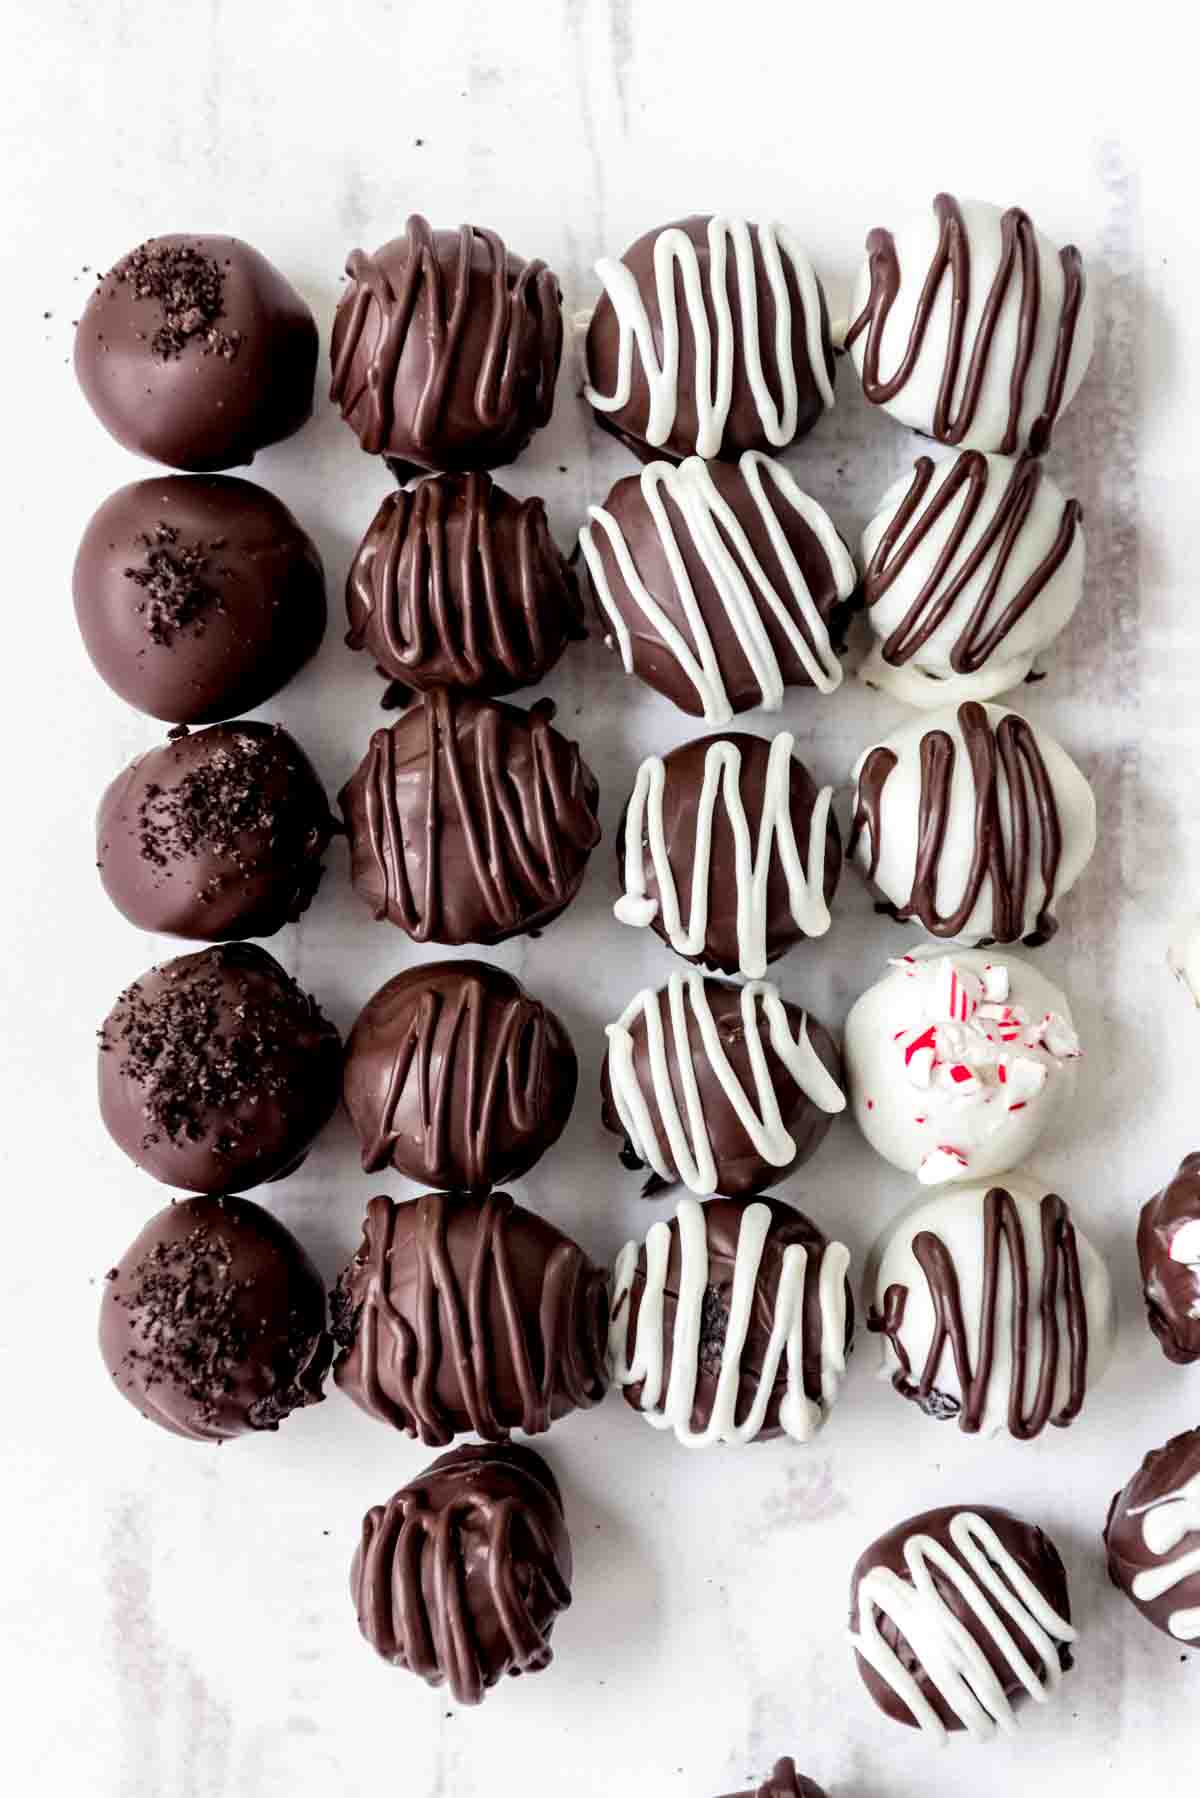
point(1018, 257)
point(985, 629)
point(1061, 1282)
point(1011, 748)
point(462, 1313)
point(784, 1782)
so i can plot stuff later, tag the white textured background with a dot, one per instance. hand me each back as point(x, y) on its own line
point(175, 1622)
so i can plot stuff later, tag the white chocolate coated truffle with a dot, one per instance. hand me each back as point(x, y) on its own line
point(1007, 1371)
point(969, 325)
point(972, 567)
point(973, 823)
point(958, 1064)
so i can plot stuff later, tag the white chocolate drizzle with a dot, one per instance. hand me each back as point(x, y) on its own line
point(671, 1409)
point(752, 860)
point(1166, 1523)
point(994, 1588)
point(690, 1157)
point(743, 588)
point(675, 255)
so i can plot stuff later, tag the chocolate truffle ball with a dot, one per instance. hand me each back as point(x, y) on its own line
point(215, 835)
point(719, 1088)
point(457, 1078)
point(466, 1313)
point(729, 851)
point(711, 337)
point(732, 1323)
point(470, 821)
point(957, 1616)
point(993, 1308)
point(458, 584)
point(196, 352)
point(784, 1782)
point(974, 823)
point(1153, 1538)
point(217, 1071)
point(460, 1577)
point(198, 597)
point(446, 349)
point(719, 586)
point(213, 1321)
point(957, 1065)
point(969, 325)
point(1168, 1244)
point(973, 567)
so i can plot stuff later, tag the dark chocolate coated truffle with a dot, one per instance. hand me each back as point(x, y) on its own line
point(213, 1321)
point(729, 852)
point(446, 349)
point(746, 317)
point(720, 586)
point(1168, 1243)
point(958, 1613)
point(470, 821)
point(216, 835)
point(720, 1088)
point(458, 584)
point(217, 1071)
point(196, 352)
point(784, 1782)
point(198, 597)
point(732, 1323)
point(457, 1077)
point(464, 1313)
point(1153, 1538)
point(460, 1576)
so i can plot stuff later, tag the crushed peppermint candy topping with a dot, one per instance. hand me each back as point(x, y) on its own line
point(941, 1164)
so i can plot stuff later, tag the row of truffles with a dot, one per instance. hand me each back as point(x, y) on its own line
point(213, 1323)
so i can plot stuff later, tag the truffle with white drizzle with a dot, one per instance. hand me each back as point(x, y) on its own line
point(729, 851)
point(1168, 1242)
point(972, 567)
point(719, 1088)
point(711, 337)
point(732, 1323)
point(957, 1065)
point(993, 1308)
point(970, 326)
point(719, 586)
point(1153, 1538)
point(958, 1615)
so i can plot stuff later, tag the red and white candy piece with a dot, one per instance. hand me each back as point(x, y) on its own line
point(941, 1164)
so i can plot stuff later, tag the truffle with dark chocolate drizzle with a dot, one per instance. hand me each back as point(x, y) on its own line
point(445, 349)
point(1021, 828)
point(963, 1339)
point(462, 1313)
point(470, 821)
point(458, 584)
point(992, 366)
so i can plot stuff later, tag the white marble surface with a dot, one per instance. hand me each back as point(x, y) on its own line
point(175, 1622)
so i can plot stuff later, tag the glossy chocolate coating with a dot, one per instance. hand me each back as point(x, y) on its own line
point(1171, 1286)
point(683, 783)
point(463, 1313)
point(216, 1071)
point(215, 836)
point(458, 584)
point(1035, 1555)
point(1161, 1577)
point(460, 1576)
point(213, 1321)
point(445, 349)
point(741, 1170)
point(457, 1078)
point(743, 427)
point(784, 1782)
point(197, 596)
point(470, 821)
point(196, 352)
